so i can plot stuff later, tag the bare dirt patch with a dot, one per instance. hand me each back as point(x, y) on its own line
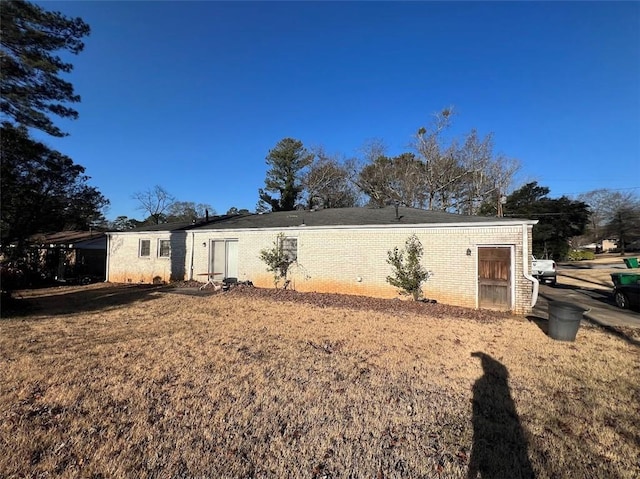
point(143, 382)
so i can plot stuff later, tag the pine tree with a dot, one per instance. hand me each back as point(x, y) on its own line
point(287, 160)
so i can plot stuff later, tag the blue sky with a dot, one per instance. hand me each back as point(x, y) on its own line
point(192, 95)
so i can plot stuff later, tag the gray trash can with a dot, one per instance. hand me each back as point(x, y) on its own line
point(564, 320)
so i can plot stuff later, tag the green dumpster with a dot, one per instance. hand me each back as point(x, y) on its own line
point(625, 278)
point(631, 262)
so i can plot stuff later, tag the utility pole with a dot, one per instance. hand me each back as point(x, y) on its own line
point(502, 199)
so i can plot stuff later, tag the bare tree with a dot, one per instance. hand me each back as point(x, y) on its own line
point(327, 183)
point(501, 173)
point(155, 202)
point(475, 160)
point(446, 175)
point(188, 211)
point(456, 176)
point(613, 213)
point(372, 149)
point(388, 180)
point(393, 180)
point(234, 210)
point(603, 204)
point(460, 177)
point(369, 183)
point(440, 171)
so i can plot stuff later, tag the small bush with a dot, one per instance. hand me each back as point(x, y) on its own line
point(408, 273)
point(577, 255)
point(277, 260)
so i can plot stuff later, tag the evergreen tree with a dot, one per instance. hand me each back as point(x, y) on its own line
point(287, 162)
point(31, 88)
point(559, 219)
point(42, 189)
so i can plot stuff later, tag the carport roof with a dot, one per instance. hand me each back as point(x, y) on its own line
point(65, 237)
point(349, 217)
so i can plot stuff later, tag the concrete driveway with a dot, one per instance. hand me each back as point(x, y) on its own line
point(602, 309)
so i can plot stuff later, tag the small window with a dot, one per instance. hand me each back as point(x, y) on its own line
point(164, 248)
point(145, 248)
point(290, 247)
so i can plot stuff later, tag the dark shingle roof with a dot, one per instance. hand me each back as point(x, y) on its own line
point(161, 227)
point(179, 226)
point(65, 237)
point(347, 217)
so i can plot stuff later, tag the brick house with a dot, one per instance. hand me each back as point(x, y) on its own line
point(477, 262)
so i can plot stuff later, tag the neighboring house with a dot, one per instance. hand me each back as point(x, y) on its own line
point(603, 246)
point(70, 255)
point(475, 261)
point(607, 245)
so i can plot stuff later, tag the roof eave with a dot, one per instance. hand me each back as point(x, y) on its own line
point(488, 224)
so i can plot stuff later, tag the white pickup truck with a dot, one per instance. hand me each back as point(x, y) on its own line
point(544, 270)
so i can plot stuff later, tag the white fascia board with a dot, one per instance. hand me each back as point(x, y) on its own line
point(488, 224)
point(139, 233)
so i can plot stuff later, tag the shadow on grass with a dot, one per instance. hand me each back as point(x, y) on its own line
point(499, 444)
point(618, 331)
point(542, 323)
point(69, 300)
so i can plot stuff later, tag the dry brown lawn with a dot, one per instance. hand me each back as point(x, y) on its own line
point(119, 382)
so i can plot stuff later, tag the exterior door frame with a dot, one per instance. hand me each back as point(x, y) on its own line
point(512, 268)
point(212, 253)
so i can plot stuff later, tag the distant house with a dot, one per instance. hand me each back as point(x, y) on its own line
point(603, 246)
point(70, 255)
point(477, 262)
point(607, 245)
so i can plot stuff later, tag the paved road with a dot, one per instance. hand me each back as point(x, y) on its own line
point(602, 308)
point(574, 266)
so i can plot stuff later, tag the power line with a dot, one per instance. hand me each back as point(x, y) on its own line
point(515, 215)
point(609, 189)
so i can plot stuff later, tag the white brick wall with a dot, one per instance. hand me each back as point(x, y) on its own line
point(125, 265)
point(342, 260)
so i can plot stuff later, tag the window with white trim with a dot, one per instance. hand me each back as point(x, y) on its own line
point(164, 248)
point(290, 248)
point(145, 248)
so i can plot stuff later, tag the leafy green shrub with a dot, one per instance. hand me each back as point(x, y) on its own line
point(577, 255)
point(277, 260)
point(408, 273)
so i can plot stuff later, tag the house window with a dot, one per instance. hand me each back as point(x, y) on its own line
point(290, 248)
point(164, 248)
point(145, 248)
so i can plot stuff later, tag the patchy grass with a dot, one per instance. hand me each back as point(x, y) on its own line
point(121, 382)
